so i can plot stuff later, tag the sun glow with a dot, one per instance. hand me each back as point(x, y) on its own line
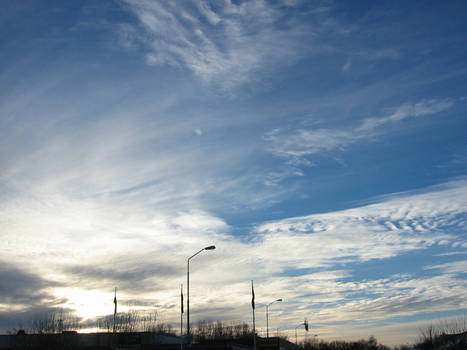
point(88, 303)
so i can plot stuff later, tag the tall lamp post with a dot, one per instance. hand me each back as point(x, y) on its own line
point(267, 316)
point(211, 247)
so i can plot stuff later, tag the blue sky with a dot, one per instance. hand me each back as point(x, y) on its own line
point(319, 145)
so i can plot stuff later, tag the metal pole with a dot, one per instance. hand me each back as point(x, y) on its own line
point(115, 315)
point(254, 323)
point(188, 300)
point(267, 321)
point(254, 331)
point(267, 316)
point(188, 290)
point(115, 308)
point(181, 318)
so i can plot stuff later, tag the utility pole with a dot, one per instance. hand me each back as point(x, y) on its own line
point(181, 317)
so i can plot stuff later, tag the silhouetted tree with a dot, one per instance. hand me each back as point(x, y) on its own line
point(55, 322)
point(134, 321)
point(218, 330)
point(370, 344)
point(444, 336)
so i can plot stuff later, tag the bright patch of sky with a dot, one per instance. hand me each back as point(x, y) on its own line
point(321, 146)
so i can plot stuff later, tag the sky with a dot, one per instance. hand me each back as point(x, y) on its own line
point(320, 145)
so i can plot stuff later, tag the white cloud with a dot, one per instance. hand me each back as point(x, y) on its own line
point(220, 41)
point(455, 267)
point(299, 143)
point(382, 230)
point(425, 107)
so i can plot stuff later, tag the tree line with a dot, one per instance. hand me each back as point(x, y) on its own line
point(444, 336)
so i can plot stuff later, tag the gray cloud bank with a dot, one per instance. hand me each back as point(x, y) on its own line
point(24, 295)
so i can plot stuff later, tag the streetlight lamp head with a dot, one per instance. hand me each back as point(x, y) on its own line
point(211, 247)
point(279, 300)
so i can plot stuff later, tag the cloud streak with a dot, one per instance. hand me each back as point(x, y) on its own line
point(220, 41)
point(297, 145)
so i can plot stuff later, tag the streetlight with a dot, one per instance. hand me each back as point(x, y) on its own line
point(211, 247)
point(267, 316)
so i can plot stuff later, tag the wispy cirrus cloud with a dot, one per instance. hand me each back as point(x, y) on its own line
point(221, 41)
point(296, 145)
point(455, 267)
